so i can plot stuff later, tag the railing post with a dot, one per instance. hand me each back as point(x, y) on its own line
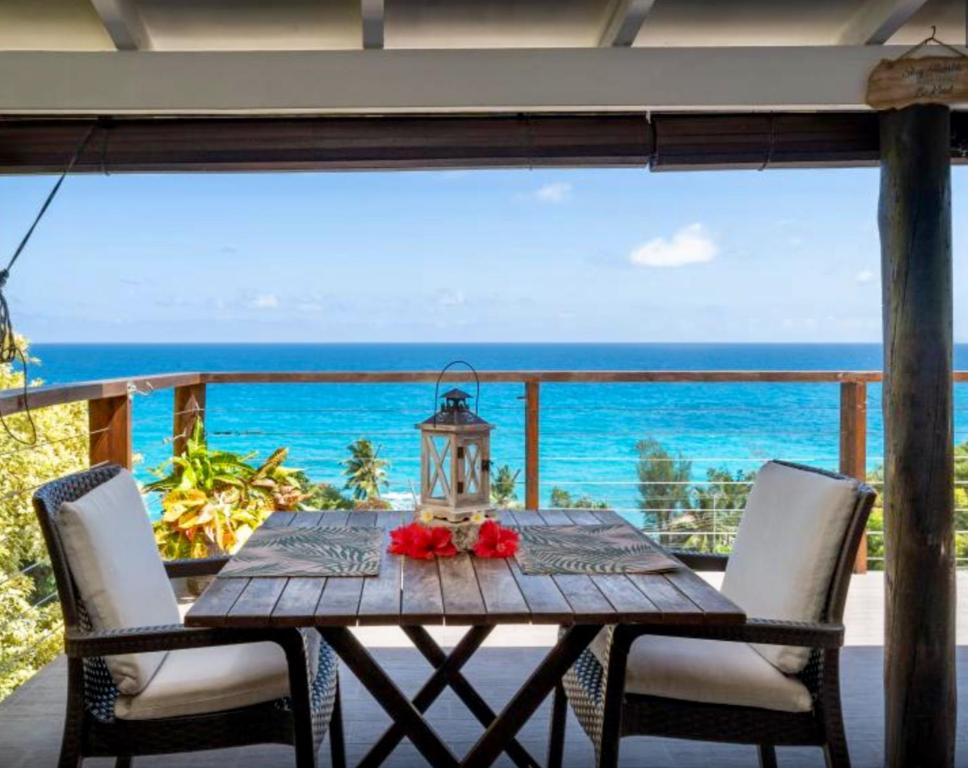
point(109, 422)
point(189, 407)
point(531, 459)
point(853, 445)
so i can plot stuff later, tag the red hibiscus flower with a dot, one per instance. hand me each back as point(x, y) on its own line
point(496, 541)
point(401, 539)
point(422, 542)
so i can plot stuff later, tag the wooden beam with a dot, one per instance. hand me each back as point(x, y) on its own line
point(759, 141)
point(693, 79)
point(669, 142)
point(326, 143)
point(372, 16)
point(915, 227)
point(122, 20)
point(853, 445)
point(876, 21)
point(624, 22)
point(532, 448)
point(188, 409)
point(109, 420)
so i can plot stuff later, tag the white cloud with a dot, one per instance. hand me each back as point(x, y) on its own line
point(864, 276)
point(264, 301)
point(454, 299)
point(690, 245)
point(556, 192)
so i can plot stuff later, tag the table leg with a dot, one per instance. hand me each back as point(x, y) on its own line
point(465, 691)
point(446, 667)
point(565, 653)
point(389, 696)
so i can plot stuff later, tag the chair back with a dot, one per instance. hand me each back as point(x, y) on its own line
point(795, 549)
point(47, 503)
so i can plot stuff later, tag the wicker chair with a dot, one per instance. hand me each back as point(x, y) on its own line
point(92, 728)
point(596, 686)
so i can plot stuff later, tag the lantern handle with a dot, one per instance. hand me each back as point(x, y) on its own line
point(451, 364)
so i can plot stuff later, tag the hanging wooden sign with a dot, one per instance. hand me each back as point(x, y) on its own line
point(927, 80)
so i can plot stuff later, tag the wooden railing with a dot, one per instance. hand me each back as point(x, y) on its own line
point(110, 404)
point(110, 409)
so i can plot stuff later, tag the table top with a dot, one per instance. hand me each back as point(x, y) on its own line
point(461, 590)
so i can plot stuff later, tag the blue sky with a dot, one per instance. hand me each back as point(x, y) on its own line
point(590, 255)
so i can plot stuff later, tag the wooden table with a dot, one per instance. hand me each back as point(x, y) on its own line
point(462, 590)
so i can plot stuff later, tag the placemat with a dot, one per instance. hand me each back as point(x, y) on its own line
point(329, 550)
point(606, 548)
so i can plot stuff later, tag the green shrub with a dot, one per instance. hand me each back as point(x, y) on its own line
point(30, 617)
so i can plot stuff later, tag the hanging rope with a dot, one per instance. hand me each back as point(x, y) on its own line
point(9, 349)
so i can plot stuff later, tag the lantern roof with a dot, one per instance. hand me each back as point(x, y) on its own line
point(454, 413)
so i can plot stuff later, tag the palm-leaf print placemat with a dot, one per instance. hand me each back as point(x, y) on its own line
point(329, 550)
point(606, 548)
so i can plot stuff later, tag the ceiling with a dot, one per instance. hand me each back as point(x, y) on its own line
point(293, 25)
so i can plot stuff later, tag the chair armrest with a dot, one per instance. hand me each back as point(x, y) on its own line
point(205, 566)
point(765, 631)
point(169, 637)
point(701, 561)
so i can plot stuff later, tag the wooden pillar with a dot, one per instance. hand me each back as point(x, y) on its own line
point(109, 421)
point(915, 228)
point(189, 407)
point(853, 445)
point(531, 450)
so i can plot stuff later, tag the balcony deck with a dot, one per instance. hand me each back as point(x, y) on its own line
point(30, 720)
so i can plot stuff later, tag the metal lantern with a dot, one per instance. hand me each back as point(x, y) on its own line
point(455, 465)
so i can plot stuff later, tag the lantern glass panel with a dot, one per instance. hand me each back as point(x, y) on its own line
point(472, 468)
point(438, 467)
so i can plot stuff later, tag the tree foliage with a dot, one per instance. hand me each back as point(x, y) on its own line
point(365, 471)
point(693, 515)
point(562, 499)
point(30, 617)
point(213, 500)
point(504, 487)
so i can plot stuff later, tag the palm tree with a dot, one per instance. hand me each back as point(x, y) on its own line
point(365, 472)
point(664, 489)
point(503, 490)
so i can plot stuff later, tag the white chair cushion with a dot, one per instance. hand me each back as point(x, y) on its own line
point(199, 680)
point(708, 671)
point(113, 558)
point(787, 546)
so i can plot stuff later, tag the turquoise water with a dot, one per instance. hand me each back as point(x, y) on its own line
point(588, 431)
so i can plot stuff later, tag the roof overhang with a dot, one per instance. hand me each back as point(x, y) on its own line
point(574, 80)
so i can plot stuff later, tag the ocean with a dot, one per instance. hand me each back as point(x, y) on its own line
point(588, 431)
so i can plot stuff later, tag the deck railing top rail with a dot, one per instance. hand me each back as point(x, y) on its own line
point(14, 401)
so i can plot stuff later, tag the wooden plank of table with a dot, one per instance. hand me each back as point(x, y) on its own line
point(520, 517)
point(629, 602)
point(339, 603)
point(296, 606)
point(305, 520)
point(555, 517)
point(716, 607)
point(463, 603)
point(422, 601)
point(673, 605)
point(711, 604)
point(502, 596)
point(544, 598)
point(582, 517)
point(278, 520)
point(586, 599)
point(380, 601)
point(256, 602)
point(215, 602)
